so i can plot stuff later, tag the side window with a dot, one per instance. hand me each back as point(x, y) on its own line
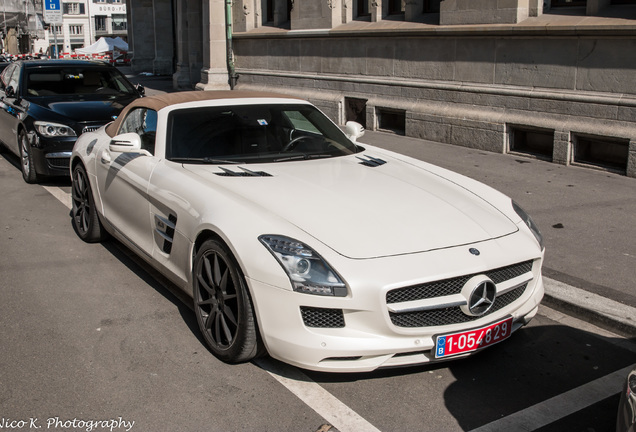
point(15, 79)
point(6, 74)
point(143, 122)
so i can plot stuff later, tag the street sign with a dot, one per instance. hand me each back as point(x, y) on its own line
point(53, 11)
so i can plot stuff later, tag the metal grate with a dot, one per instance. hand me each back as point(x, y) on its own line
point(91, 128)
point(454, 286)
point(452, 315)
point(323, 318)
point(59, 162)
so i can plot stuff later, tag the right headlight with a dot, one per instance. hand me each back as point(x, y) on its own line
point(53, 130)
point(308, 272)
point(529, 222)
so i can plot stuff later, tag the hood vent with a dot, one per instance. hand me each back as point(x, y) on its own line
point(243, 173)
point(371, 161)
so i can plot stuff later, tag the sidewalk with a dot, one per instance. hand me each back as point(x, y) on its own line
point(587, 217)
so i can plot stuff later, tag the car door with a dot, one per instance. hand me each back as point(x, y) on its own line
point(10, 108)
point(122, 180)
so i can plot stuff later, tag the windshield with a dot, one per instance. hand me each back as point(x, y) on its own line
point(253, 133)
point(52, 81)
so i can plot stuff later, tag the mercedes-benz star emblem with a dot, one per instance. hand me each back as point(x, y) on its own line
point(482, 298)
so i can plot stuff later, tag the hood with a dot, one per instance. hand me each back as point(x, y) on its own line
point(86, 109)
point(363, 211)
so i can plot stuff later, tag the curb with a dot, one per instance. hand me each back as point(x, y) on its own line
point(593, 308)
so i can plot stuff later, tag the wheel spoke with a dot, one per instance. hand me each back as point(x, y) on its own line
point(226, 330)
point(217, 270)
point(229, 313)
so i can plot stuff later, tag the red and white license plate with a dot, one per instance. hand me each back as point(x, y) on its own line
point(471, 340)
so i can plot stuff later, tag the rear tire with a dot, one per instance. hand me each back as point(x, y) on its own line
point(84, 213)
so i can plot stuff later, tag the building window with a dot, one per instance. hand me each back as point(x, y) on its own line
point(56, 29)
point(396, 7)
point(557, 3)
point(74, 8)
point(119, 22)
point(100, 23)
point(76, 30)
point(363, 8)
point(431, 6)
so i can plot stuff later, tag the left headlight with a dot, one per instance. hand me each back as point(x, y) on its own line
point(528, 221)
point(309, 272)
point(53, 130)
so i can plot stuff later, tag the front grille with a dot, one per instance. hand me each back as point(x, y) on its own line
point(91, 128)
point(59, 162)
point(452, 315)
point(322, 318)
point(454, 286)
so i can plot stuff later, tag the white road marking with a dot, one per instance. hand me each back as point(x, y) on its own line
point(345, 419)
point(63, 197)
point(317, 398)
point(560, 406)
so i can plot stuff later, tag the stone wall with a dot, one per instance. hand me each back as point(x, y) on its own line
point(467, 89)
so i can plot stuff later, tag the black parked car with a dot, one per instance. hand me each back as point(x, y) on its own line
point(46, 105)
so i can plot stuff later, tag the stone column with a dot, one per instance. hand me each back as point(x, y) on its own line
point(243, 16)
point(313, 14)
point(141, 30)
point(164, 42)
point(181, 77)
point(562, 148)
point(214, 74)
point(375, 9)
point(413, 9)
point(631, 159)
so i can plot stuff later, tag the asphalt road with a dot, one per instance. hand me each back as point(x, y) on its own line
point(89, 334)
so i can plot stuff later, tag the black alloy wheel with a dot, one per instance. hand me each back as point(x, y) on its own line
point(26, 159)
point(84, 213)
point(223, 306)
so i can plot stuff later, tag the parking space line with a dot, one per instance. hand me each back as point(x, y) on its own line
point(560, 406)
point(63, 197)
point(317, 398)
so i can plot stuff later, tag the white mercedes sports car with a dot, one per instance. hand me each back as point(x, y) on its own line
point(297, 241)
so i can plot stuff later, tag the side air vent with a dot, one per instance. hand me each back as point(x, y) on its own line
point(371, 161)
point(243, 173)
point(164, 232)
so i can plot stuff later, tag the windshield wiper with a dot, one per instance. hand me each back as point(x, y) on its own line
point(304, 157)
point(203, 160)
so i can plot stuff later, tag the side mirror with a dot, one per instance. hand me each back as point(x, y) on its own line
point(354, 130)
point(126, 143)
point(141, 89)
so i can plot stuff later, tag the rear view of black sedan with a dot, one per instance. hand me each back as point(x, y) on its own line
point(46, 105)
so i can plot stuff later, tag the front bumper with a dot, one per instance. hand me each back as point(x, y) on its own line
point(359, 334)
point(52, 157)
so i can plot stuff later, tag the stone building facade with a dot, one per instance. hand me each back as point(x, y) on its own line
point(553, 79)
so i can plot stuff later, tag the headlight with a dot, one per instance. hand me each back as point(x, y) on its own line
point(53, 130)
point(308, 272)
point(528, 221)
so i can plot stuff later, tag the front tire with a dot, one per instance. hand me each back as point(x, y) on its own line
point(223, 306)
point(84, 213)
point(26, 159)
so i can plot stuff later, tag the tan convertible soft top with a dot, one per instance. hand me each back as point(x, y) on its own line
point(158, 102)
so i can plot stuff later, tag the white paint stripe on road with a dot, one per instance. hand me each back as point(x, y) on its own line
point(560, 406)
point(317, 398)
point(63, 197)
